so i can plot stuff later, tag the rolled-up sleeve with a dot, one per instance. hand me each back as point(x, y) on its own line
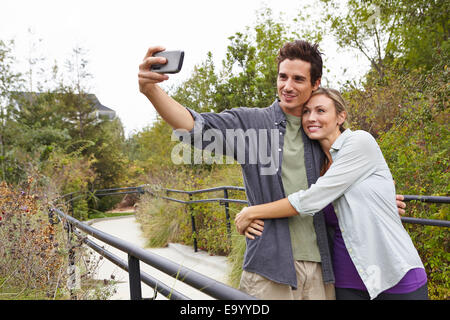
point(355, 160)
point(198, 124)
point(218, 124)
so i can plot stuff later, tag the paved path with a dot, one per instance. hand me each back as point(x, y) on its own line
point(128, 229)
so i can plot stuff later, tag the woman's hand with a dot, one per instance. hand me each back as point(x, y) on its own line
point(242, 220)
point(254, 229)
point(247, 226)
point(272, 210)
point(400, 204)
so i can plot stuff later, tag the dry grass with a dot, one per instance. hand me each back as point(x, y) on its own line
point(34, 252)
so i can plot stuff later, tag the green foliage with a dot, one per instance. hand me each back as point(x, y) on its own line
point(10, 81)
point(417, 149)
point(418, 155)
point(161, 222)
point(109, 153)
point(150, 149)
point(104, 204)
point(423, 27)
point(164, 221)
point(408, 32)
point(69, 172)
point(199, 90)
point(56, 129)
point(407, 111)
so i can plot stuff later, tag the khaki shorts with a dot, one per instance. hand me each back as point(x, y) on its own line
point(310, 285)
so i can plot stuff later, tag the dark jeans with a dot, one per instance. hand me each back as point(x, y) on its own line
point(354, 294)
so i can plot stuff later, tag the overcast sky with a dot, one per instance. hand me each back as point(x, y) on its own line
point(116, 35)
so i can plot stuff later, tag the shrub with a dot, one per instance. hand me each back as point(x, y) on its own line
point(34, 252)
point(32, 257)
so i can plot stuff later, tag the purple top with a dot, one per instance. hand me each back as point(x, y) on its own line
point(345, 272)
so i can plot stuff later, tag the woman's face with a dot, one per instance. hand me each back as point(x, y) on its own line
point(319, 118)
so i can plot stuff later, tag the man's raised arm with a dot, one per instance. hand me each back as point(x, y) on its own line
point(177, 116)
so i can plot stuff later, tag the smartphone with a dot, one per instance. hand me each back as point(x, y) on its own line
point(174, 62)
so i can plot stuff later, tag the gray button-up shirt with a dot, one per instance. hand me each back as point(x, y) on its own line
point(360, 186)
point(262, 131)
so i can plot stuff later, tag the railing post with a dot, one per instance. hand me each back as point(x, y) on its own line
point(194, 231)
point(71, 205)
point(71, 267)
point(134, 274)
point(51, 216)
point(227, 213)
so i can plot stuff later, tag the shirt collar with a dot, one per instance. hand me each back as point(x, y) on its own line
point(340, 140)
point(280, 118)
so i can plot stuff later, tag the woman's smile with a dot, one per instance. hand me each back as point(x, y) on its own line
point(313, 128)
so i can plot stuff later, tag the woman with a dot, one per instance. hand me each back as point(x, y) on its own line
point(373, 255)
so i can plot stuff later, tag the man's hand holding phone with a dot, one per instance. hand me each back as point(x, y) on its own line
point(176, 115)
point(157, 62)
point(148, 78)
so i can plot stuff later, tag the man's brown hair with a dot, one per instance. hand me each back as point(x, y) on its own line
point(303, 50)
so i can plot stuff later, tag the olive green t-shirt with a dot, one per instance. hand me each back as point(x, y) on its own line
point(293, 175)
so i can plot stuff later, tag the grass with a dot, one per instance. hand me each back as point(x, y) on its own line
point(236, 259)
point(95, 214)
point(160, 221)
point(11, 292)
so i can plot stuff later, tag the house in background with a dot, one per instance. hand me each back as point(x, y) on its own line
point(99, 110)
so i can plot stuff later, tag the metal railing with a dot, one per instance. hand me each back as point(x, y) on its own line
point(222, 201)
point(427, 222)
point(226, 200)
point(207, 285)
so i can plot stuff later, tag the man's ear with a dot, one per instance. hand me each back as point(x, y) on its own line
point(317, 84)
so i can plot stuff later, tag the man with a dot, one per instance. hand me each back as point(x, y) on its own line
point(291, 259)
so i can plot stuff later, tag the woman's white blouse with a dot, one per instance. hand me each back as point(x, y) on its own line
point(361, 188)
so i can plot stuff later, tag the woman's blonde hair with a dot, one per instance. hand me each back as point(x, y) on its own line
point(338, 100)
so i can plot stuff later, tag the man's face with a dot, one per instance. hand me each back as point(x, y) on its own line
point(294, 85)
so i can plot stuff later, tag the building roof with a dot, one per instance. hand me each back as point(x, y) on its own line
point(90, 96)
point(97, 105)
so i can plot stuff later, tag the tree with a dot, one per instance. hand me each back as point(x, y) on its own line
point(409, 32)
point(10, 82)
point(200, 89)
point(364, 26)
point(74, 95)
point(423, 29)
point(108, 151)
point(41, 118)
